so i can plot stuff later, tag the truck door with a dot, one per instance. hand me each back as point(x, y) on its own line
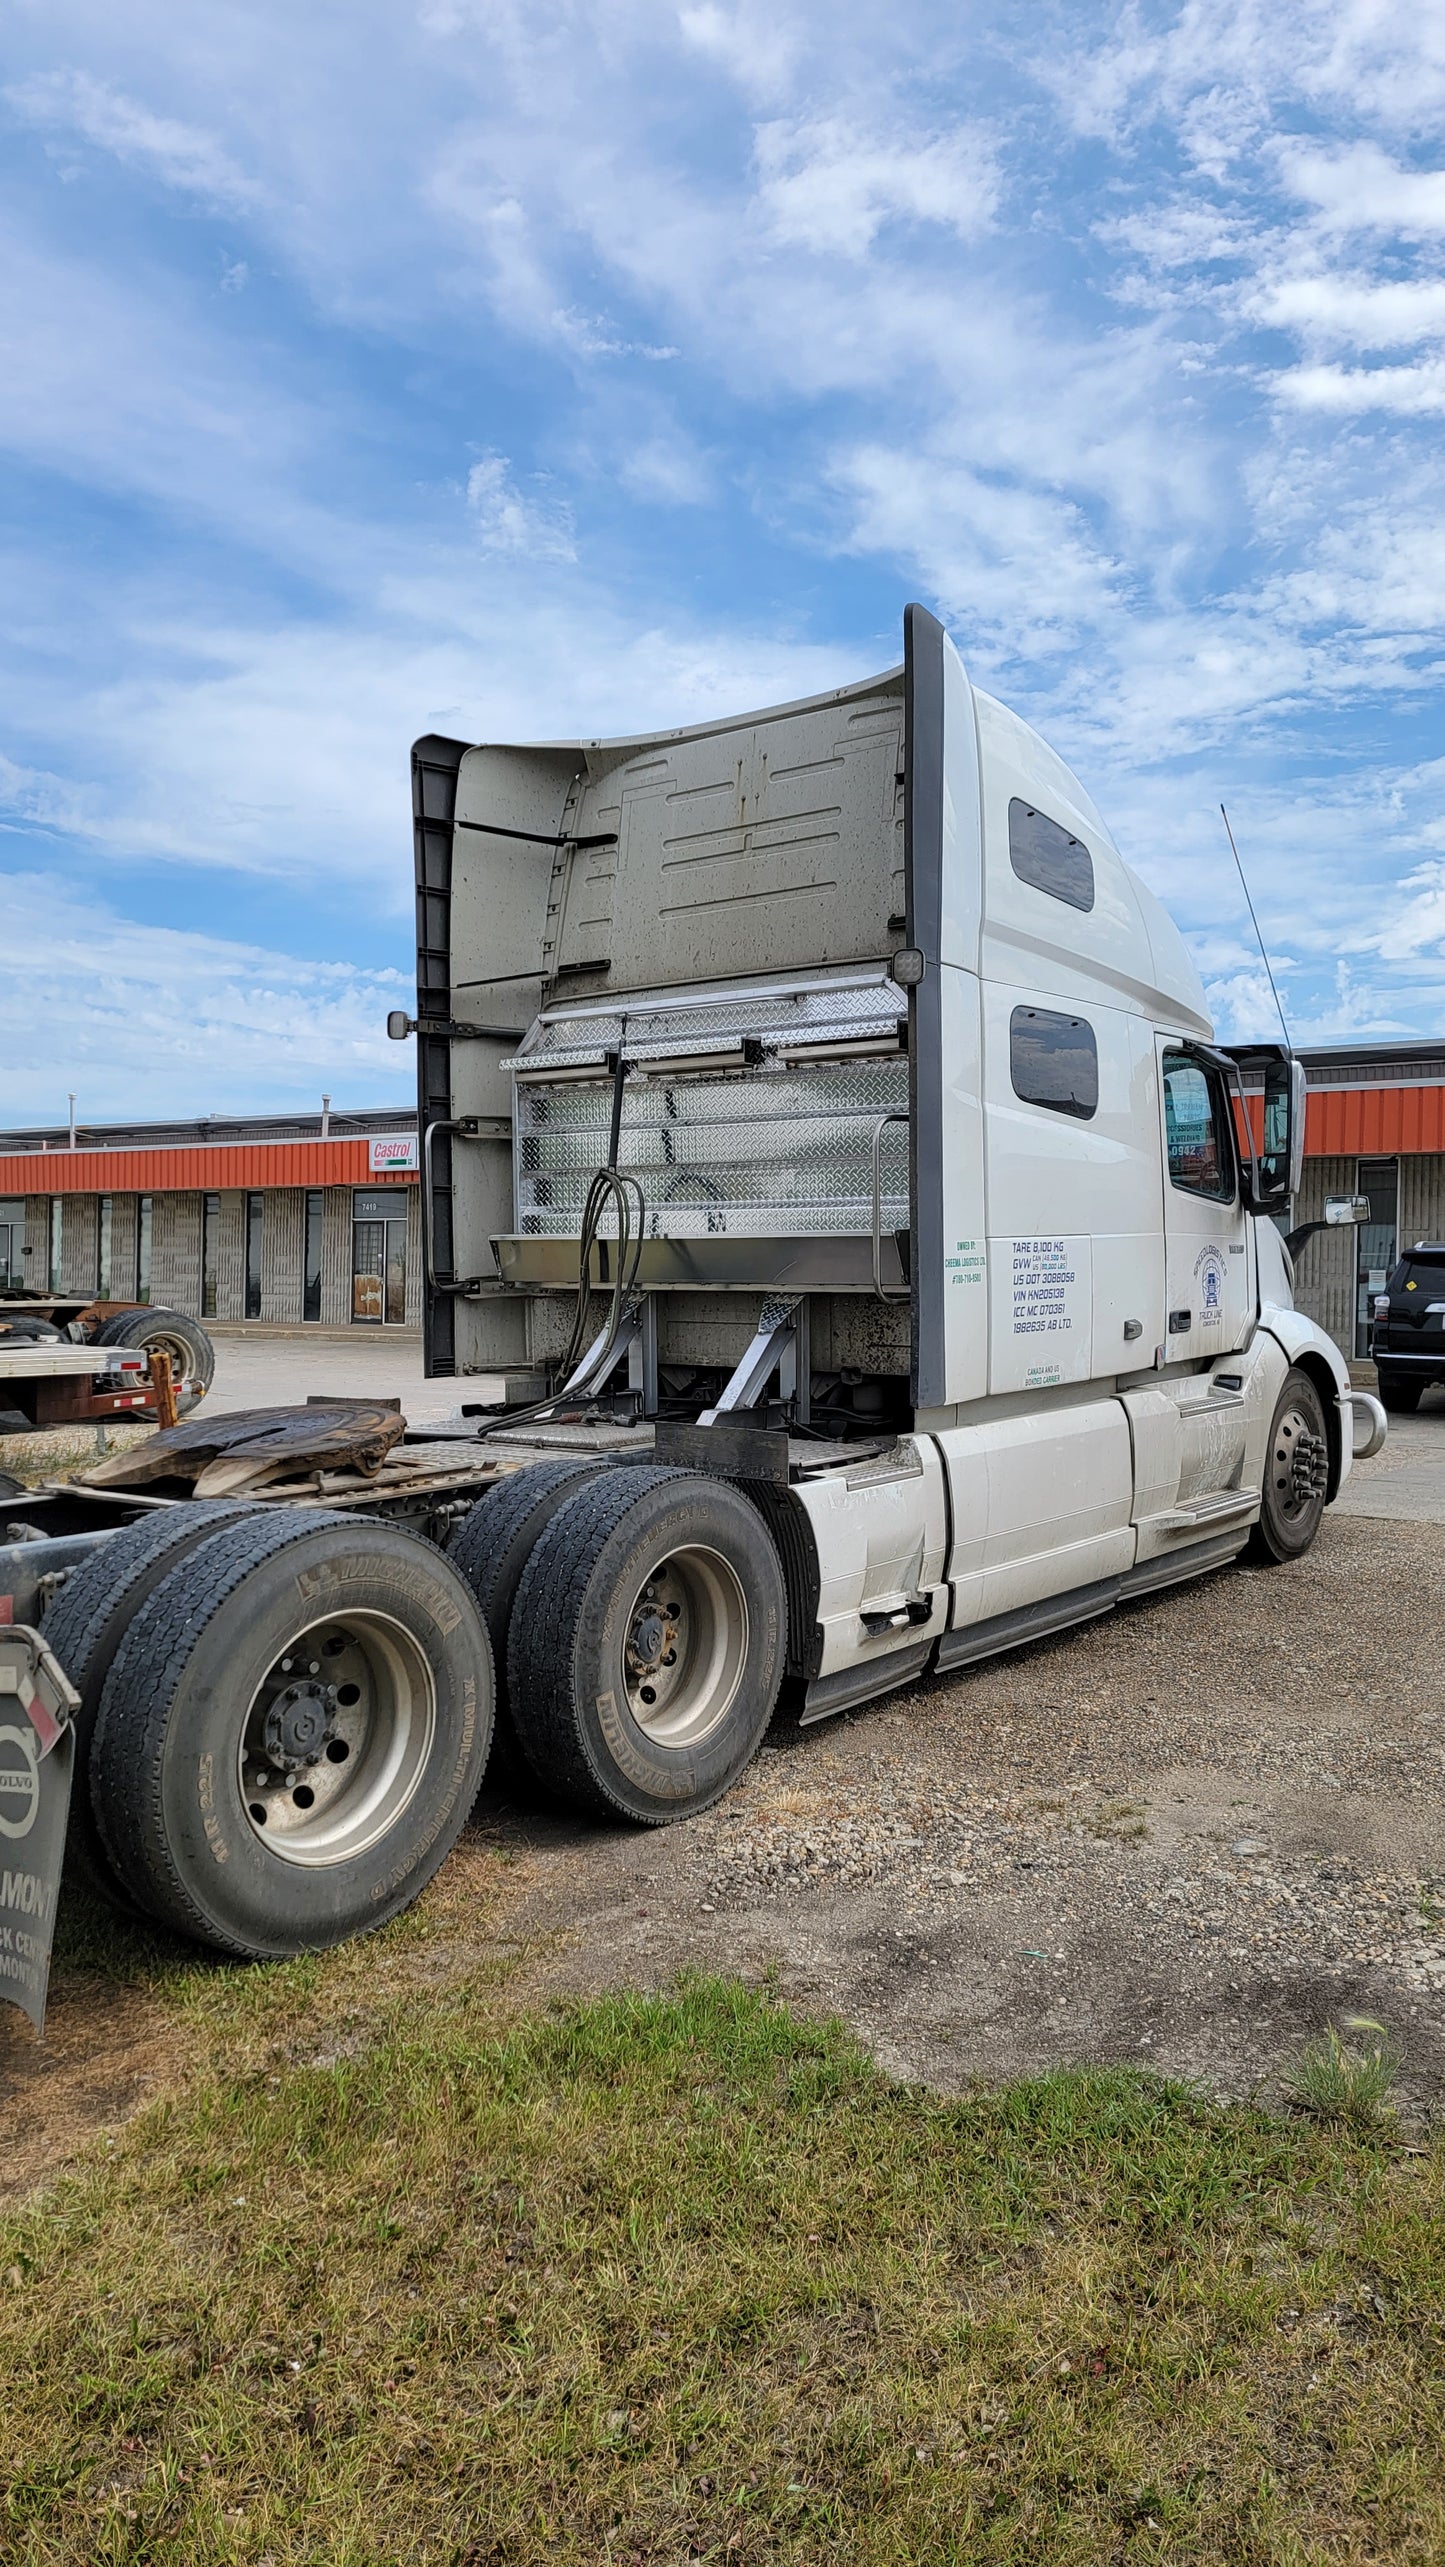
point(1208, 1293)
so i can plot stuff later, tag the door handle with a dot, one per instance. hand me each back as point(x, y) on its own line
point(1180, 1322)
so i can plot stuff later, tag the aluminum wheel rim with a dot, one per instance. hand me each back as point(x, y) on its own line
point(336, 1739)
point(686, 1646)
point(1299, 1463)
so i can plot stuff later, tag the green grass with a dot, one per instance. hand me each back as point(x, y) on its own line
point(685, 2278)
point(1346, 2082)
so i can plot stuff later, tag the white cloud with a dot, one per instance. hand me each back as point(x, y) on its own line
point(164, 1020)
point(669, 469)
point(1419, 921)
point(1363, 189)
point(829, 185)
point(533, 529)
point(1408, 391)
point(1352, 311)
point(752, 42)
point(179, 155)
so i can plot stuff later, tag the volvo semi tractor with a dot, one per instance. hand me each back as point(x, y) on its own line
point(826, 1142)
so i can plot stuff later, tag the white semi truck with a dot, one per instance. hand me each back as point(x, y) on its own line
point(825, 1138)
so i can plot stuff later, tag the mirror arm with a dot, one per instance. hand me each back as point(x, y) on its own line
point(1294, 1239)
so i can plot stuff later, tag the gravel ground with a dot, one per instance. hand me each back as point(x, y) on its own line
point(1192, 1833)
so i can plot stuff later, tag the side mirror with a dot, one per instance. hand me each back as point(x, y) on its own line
point(1343, 1211)
point(398, 1024)
point(1279, 1164)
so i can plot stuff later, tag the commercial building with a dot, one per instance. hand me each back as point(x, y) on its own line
point(1375, 1126)
point(297, 1219)
point(279, 1220)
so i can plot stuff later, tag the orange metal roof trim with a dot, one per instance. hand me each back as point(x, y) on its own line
point(201, 1171)
point(1374, 1122)
point(1341, 1122)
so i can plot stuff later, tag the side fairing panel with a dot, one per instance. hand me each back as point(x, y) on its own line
point(942, 867)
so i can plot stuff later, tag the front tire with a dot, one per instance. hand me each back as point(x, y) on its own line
point(646, 1644)
point(1296, 1474)
point(292, 1733)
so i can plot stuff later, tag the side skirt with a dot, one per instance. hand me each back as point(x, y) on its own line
point(853, 1685)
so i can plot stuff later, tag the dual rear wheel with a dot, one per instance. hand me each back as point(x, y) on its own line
point(285, 1714)
point(642, 1626)
point(284, 1720)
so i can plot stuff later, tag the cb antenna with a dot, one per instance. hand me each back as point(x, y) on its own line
point(1254, 922)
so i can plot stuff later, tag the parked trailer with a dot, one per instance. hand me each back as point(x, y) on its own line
point(61, 1319)
point(825, 1137)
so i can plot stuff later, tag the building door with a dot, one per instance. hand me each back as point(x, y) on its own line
point(12, 1243)
point(378, 1258)
point(1376, 1240)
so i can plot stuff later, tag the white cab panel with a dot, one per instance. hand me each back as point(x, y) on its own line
point(965, 1252)
point(1054, 948)
point(881, 1532)
point(1075, 1250)
point(1041, 1504)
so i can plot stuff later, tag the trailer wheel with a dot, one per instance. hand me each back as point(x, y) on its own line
point(494, 1541)
point(646, 1644)
point(292, 1732)
point(193, 1357)
point(1296, 1473)
point(85, 1626)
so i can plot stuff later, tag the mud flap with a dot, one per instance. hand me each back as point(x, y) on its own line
point(37, 1759)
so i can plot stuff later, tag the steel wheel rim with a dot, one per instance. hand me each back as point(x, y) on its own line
point(685, 1646)
point(180, 1355)
point(336, 1739)
point(1299, 1464)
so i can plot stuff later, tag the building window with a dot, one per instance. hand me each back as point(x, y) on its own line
point(311, 1281)
point(255, 1214)
point(1376, 1240)
point(1054, 1061)
point(1047, 856)
point(57, 1216)
point(104, 1229)
point(210, 1252)
point(1196, 1122)
point(143, 1247)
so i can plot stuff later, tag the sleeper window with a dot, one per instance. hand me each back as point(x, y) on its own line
point(1054, 1061)
point(1043, 853)
point(1196, 1120)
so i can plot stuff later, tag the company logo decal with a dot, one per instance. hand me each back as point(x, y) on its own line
point(19, 1781)
point(1209, 1276)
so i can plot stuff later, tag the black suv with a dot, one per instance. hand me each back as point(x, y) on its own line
point(1407, 1340)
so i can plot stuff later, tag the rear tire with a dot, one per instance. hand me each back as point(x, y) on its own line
point(646, 1644)
point(184, 1340)
point(1402, 1398)
point(222, 1800)
point(86, 1625)
point(1296, 1474)
point(493, 1543)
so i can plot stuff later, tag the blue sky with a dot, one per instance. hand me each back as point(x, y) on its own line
point(525, 370)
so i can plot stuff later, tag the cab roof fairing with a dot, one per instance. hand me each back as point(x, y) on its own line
point(1167, 980)
point(598, 755)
